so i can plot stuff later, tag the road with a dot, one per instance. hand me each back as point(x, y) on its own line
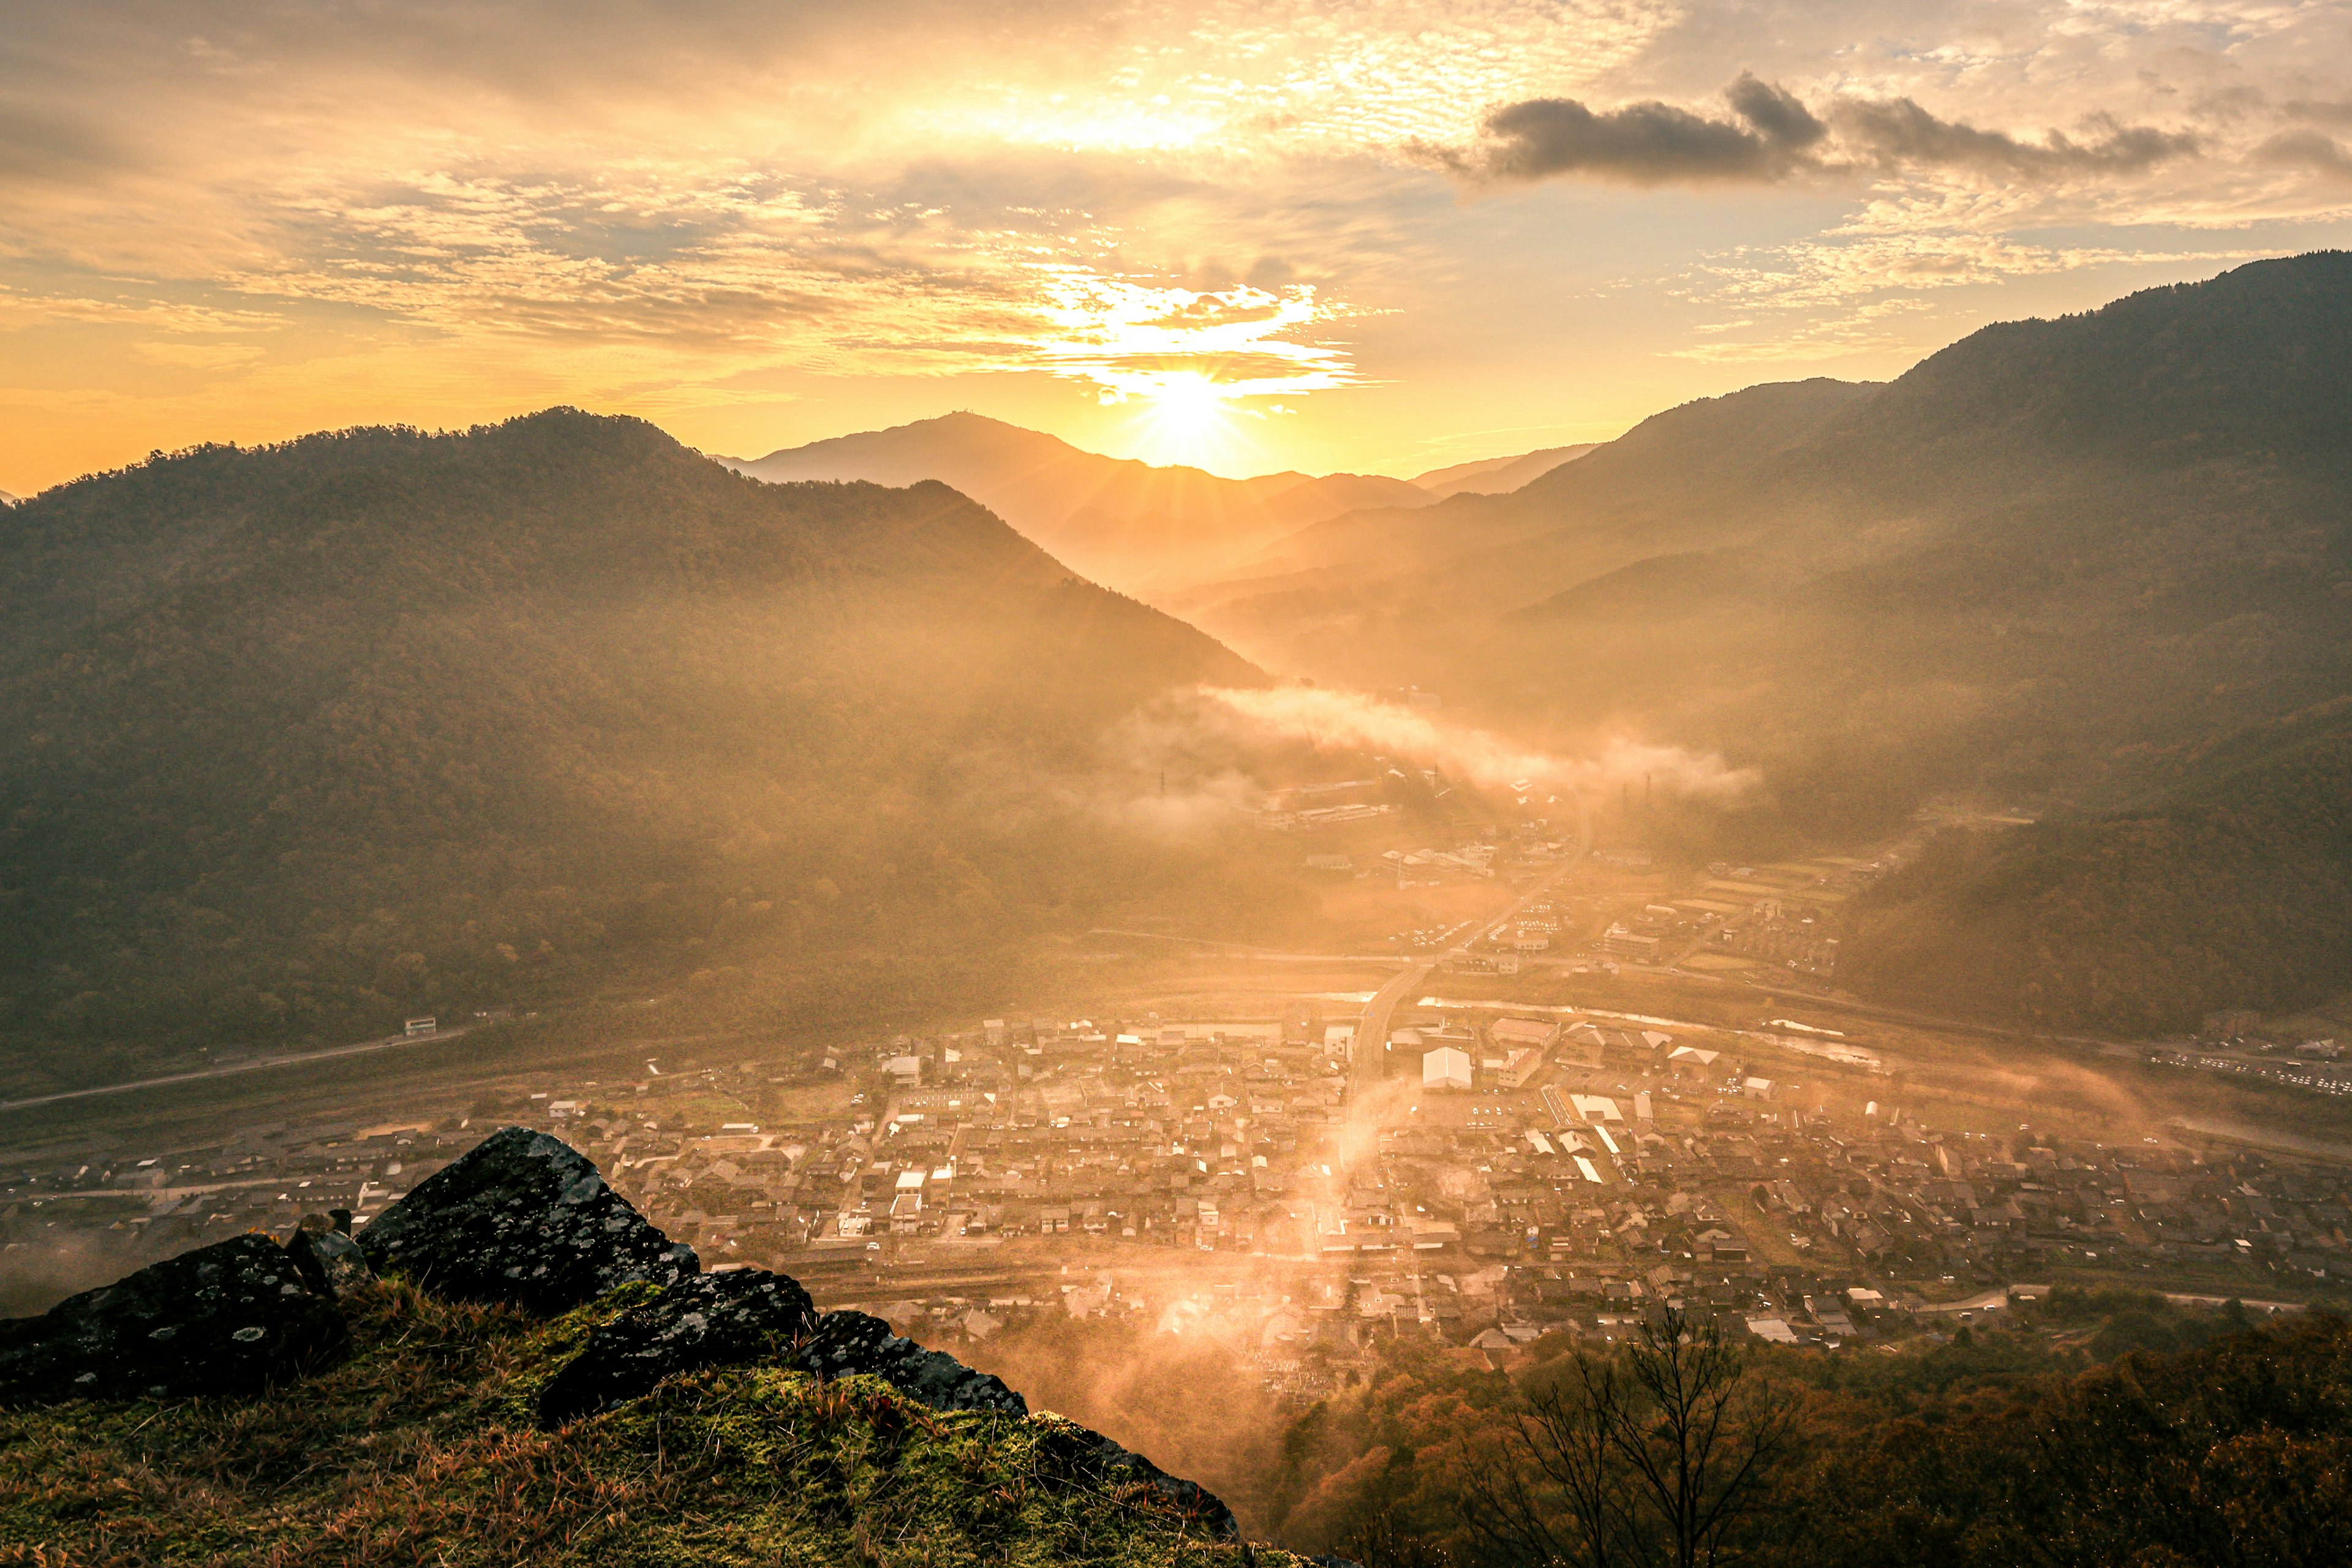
point(1999, 1297)
point(1370, 1068)
point(257, 1064)
point(1242, 950)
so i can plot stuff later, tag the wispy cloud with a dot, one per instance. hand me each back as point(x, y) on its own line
point(212, 211)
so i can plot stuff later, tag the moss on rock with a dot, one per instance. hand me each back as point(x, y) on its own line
point(423, 1447)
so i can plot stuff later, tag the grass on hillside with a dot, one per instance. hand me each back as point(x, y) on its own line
point(421, 1449)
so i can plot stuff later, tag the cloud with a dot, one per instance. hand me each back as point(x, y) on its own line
point(1645, 143)
point(2309, 150)
point(1898, 135)
point(1327, 717)
point(456, 209)
point(1771, 136)
point(53, 147)
point(2320, 111)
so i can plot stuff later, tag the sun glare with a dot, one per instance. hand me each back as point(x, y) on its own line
point(1186, 361)
point(1189, 419)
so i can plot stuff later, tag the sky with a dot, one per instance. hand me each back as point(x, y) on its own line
point(1371, 234)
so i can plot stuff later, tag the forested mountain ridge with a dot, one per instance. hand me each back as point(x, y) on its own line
point(2024, 439)
point(1394, 588)
point(1131, 524)
point(294, 741)
point(2072, 561)
point(2254, 365)
point(2228, 894)
point(1498, 476)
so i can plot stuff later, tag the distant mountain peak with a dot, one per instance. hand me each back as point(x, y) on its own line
point(1133, 525)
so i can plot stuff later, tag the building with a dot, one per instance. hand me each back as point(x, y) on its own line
point(1445, 1067)
point(1632, 945)
point(1520, 1065)
point(1510, 1033)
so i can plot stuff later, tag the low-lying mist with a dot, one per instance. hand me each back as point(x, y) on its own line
point(1330, 718)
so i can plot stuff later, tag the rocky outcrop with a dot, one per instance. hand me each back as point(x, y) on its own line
point(323, 1252)
point(1084, 1456)
point(524, 1219)
point(847, 1343)
point(711, 1320)
point(232, 1318)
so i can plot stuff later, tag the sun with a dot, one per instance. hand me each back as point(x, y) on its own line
point(1188, 418)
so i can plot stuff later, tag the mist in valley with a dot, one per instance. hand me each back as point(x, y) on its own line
point(1455, 789)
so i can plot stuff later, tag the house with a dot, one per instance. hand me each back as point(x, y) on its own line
point(1689, 1061)
point(1445, 1068)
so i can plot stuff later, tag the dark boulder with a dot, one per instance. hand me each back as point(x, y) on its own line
point(329, 1262)
point(524, 1219)
point(1081, 1455)
point(711, 1320)
point(232, 1318)
point(846, 1344)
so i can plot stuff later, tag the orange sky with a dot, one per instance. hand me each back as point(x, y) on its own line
point(1381, 236)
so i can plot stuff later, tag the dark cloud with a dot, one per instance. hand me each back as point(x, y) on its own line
point(1896, 134)
point(1647, 143)
point(2305, 149)
point(54, 148)
point(1778, 114)
point(1772, 135)
point(2320, 111)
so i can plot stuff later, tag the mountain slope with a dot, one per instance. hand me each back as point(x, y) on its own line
point(1385, 590)
point(2230, 894)
point(2059, 560)
point(2157, 488)
point(296, 741)
point(1498, 476)
point(1114, 519)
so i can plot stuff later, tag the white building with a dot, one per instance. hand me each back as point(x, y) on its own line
point(1445, 1067)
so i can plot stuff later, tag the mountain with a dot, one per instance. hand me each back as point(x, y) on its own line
point(2227, 895)
point(1498, 476)
point(1127, 523)
point(2060, 561)
point(2128, 485)
point(1383, 590)
point(1315, 500)
point(297, 741)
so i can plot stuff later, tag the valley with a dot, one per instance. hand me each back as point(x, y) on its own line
point(1734, 874)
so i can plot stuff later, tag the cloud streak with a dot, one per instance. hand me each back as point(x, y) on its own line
point(1328, 717)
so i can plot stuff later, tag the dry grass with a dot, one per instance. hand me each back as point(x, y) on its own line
point(421, 1449)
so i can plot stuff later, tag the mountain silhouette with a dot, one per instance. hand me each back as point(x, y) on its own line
point(2080, 561)
point(1498, 476)
point(1129, 524)
point(298, 739)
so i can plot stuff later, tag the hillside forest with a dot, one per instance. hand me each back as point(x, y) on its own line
point(301, 740)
